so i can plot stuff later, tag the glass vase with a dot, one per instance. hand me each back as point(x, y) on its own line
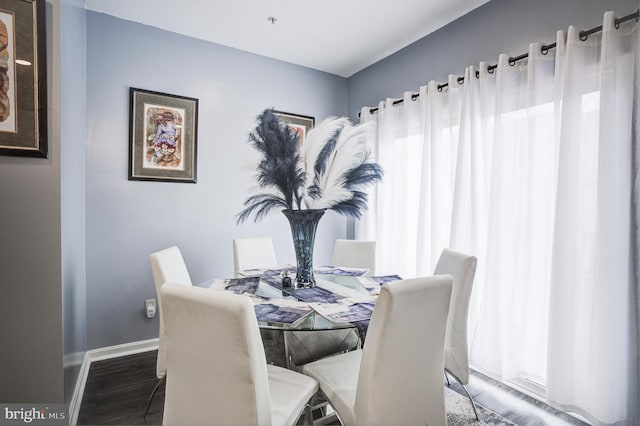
point(303, 230)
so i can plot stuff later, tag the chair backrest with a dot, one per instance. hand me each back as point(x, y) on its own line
point(400, 379)
point(463, 269)
point(355, 254)
point(166, 266)
point(250, 253)
point(218, 370)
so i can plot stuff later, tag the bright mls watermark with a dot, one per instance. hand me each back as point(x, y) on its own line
point(36, 414)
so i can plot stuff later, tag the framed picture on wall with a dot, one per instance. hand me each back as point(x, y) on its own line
point(301, 123)
point(162, 137)
point(23, 88)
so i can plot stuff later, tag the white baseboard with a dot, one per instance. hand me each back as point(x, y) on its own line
point(100, 354)
point(122, 350)
point(78, 391)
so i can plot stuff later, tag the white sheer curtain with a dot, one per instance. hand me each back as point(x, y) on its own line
point(529, 167)
point(592, 269)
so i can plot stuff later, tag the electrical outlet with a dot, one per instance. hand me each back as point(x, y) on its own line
point(150, 308)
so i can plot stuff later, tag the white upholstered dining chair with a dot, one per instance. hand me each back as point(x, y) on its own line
point(166, 265)
point(219, 374)
point(355, 254)
point(396, 379)
point(456, 349)
point(253, 252)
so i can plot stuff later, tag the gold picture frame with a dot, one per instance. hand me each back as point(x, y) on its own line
point(23, 78)
point(162, 137)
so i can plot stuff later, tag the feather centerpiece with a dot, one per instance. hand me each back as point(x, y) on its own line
point(331, 173)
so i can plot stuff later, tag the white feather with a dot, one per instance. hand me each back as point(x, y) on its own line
point(351, 150)
point(316, 140)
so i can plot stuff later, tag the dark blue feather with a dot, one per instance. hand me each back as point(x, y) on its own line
point(364, 174)
point(259, 205)
point(314, 190)
point(325, 153)
point(354, 206)
point(280, 166)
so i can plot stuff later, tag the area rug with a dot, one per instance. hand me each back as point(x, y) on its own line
point(459, 412)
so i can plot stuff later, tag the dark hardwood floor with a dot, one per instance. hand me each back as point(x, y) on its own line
point(117, 391)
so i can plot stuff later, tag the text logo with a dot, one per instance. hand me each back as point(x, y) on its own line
point(26, 414)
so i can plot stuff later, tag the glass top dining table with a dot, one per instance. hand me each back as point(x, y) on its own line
point(342, 298)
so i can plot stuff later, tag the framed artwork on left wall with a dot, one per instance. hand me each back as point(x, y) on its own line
point(162, 137)
point(23, 78)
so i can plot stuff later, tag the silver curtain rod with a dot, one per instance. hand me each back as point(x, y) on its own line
point(512, 60)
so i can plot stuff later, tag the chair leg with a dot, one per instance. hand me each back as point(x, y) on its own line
point(286, 349)
point(464, 388)
point(155, 389)
point(306, 416)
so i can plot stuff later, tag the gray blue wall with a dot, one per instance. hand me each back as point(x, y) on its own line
point(128, 220)
point(499, 26)
point(30, 259)
point(73, 189)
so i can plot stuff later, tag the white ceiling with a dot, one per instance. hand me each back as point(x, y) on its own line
point(337, 36)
